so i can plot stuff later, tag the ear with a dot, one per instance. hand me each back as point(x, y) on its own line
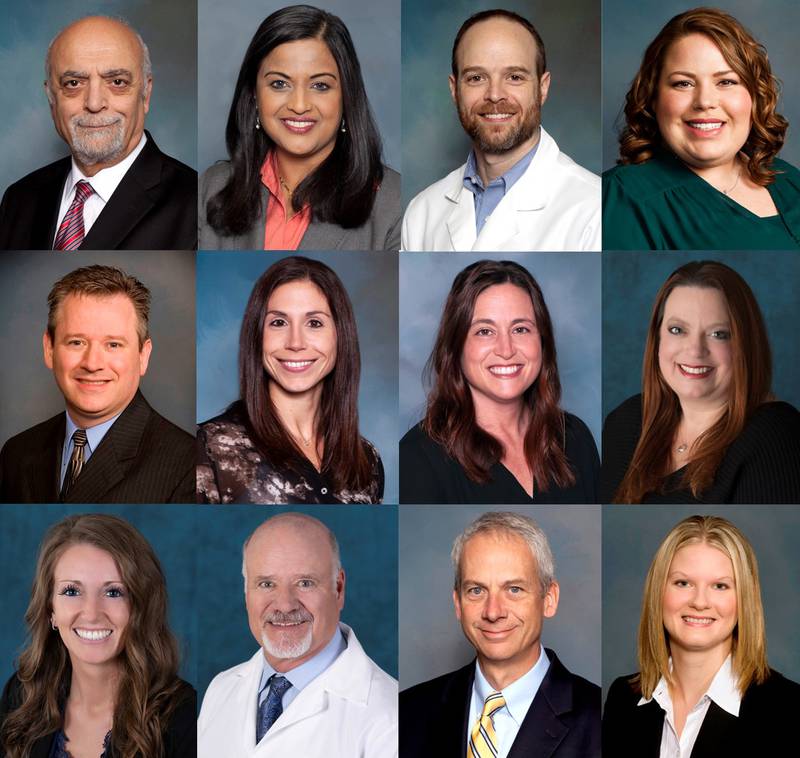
point(148, 90)
point(340, 582)
point(47, 350)
point(457, 604)
point(144, 356)
point(551, 601)
point(451, 80)
point(544, 87)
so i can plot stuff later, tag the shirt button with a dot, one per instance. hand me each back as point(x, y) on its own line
point(324, 490)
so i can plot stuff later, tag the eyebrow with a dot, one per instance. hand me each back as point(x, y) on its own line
point(307, 313)
point(729, 579)
point(691, 73)
point(78, 581)
point(494, 323)
point(287, 76)
point(506, 70)
point(678, 320)
point(110, 74)
point(115, 337)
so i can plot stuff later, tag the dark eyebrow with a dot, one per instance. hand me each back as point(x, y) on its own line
point(492, 321)
point(324, 73)
point(692, 74)
point(277, 73)
point(114, 72)
point(307, 314)
point(74, 75)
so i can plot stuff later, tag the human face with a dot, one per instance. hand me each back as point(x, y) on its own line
point(299, 98)
point(90, 604)
point(703, 109)
point(699, 603)
point(97, 91)
point(694, 351)
point(299, 344)
point(95, 356)
point(292, 593)
point(500, 605)
point(502, 354)
point(497, 92)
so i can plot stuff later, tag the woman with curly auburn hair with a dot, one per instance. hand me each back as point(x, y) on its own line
point(99, 675)
point(704, 687)
point(698, 153)
point(706, 427)
point(494, 431)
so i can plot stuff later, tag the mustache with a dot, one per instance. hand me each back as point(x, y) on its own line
point(293, 617)
point(83, 121)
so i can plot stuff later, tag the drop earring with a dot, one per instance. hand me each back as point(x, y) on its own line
point(343, 128)
point(258, 122)
point(53, 623)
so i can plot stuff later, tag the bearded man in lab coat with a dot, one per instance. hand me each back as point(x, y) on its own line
point(310, 690)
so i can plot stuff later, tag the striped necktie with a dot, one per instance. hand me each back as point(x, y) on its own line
point(70, 233)
point(483, 741)
point(75, 465)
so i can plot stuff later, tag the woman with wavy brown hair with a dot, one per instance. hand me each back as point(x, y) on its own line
point(705, 428)
point(698, 152)
point(493, 431)
point(99, 675)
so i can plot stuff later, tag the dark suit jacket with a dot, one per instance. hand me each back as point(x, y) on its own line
point(562, 722)
point(153, 207)
point(765, 725)
point(180, 737)
point(142, 459)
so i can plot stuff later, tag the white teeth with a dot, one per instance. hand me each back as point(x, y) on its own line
point(497, 116)
point(299, 124)
point(505, 370)
point(695, 369)
point(698, 621)
point(296, 364)
point(706, 127)
point(93, 634)
point(289, 623)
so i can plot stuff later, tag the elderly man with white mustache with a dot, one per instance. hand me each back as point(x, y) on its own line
point(310, 690)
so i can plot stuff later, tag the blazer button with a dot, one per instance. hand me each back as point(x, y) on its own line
point(324, 490)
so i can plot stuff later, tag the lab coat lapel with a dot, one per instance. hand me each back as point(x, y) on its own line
point(461, 219)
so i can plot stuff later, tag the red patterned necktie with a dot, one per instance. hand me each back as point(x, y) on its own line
point(70, 233)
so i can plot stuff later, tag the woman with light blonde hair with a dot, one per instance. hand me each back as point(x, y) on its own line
point(704, 687)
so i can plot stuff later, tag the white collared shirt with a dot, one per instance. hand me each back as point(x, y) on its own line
point(104, 182)
point(722, 690)
point(518, 696)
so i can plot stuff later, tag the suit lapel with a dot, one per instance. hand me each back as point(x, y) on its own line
point(449, 734)
point(42, 466)
point(48, 204)
point(323, 236)
point(717, 733)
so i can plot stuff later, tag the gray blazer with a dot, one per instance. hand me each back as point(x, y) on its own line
point(380, 232)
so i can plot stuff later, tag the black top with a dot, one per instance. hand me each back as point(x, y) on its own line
point(428, 475)
point(180, 735)
point(765, 725)
point(230, 469)
point(761, 466)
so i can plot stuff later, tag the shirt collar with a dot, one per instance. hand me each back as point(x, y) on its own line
point(94, 434)
point(472, 177)
point(105, 181)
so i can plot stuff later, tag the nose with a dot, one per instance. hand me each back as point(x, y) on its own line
point(295, 339)
point(495, 91)
point(284, 599)
point(298, 100)
point(93, 357)
point(504, 346)
point(95, 95)
point(699, 345)
point(493, 608)
point(705, 95)
point(700, 599)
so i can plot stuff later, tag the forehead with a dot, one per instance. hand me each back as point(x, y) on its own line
point(497, 555)
point(701, 558)
point(301, 295)
point(497, 42)
point(695, 52)
point(303, 56)
point(83, 559)
point(503, 300)
point(109, 314)
point(289, 547)
point(95, 43)
point(697, 303)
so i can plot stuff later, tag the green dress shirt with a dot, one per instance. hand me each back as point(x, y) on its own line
point(663, 205)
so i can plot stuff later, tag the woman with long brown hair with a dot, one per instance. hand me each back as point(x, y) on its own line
point(98, 678)
point(705, 428)
point(493, 430)
point(698, 152)
point(292, 437)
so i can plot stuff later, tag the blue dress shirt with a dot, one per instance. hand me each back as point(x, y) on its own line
point(94, 436)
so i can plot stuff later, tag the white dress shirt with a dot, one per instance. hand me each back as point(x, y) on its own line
point(104, 182)
point(722, 690)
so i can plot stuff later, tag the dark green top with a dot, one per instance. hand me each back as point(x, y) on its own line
point(663, 205)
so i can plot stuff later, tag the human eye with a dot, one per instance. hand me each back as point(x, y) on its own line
point(473, 591)
point(681, 583)
point(70, 84)
point(517, 77)
point(728, 82)
point(277, 323)
point(473, 78)
point(114, 345)
point(721, 586)
point(306, 584)
point(484, 331)
point(115, 592)
point(316, 323)
point(675, 329)
point(278, 84)
point(321, 86)
point(69, 590)
point(515, 590)
point(721, 334)
point(681, 84)
point(265, 584)
point(521, 330)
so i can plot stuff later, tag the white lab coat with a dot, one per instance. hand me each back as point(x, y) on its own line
point(554, 205)
point(348, 711)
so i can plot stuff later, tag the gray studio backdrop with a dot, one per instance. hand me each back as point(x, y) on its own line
point(224, 283)
point(433, 141)
point(28, 139)
point(570, 283)
point(172, 533)
point(631, 281)
point(628, 28)
point(28, 392)
point(368, 542)
point(225, 31)
point(431, 640)
point(631, 536)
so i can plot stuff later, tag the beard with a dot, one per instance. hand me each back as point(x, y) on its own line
point(287, 647)
point(92, 145)
point(490, 139)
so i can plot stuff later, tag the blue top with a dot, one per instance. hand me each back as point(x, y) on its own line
point(94, 436)
point(58, 749)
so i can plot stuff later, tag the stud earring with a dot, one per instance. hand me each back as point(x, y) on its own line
point(343, 128)
point(258, 122)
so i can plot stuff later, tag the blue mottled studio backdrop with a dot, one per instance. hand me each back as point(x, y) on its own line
point(628, 28)
point(631, 281)
point(631, 536)
point(170, 530)
point(570, 283)
point(431, 640)
point(28, 139)
point(368, 542)
point(224, 283)
point(433, 141)
point(225, 31)
point(28, 392)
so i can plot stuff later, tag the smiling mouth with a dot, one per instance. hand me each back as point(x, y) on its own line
point(694, 372)
point(699, 621)
point(93, 635)
point(706, 127)
point(497, 117)
point(506, 371)
point(296, 366)
point(299, 126)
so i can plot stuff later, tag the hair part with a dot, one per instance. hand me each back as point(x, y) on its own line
point(450, 414)
point(101, 281)
point(661, 410)
point(341, 190)
point(640, 138)
point(749, 649)
point(148, 689)
point(476, 18)
point(509, 524)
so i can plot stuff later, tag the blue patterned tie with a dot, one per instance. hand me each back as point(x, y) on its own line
point(272, 707)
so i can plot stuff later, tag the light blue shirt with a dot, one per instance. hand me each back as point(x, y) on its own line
point(518, 696)
point(488, 198)
point(94, 436)
point(302, 676)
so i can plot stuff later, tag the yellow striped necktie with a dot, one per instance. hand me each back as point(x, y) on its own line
point(483, 741)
